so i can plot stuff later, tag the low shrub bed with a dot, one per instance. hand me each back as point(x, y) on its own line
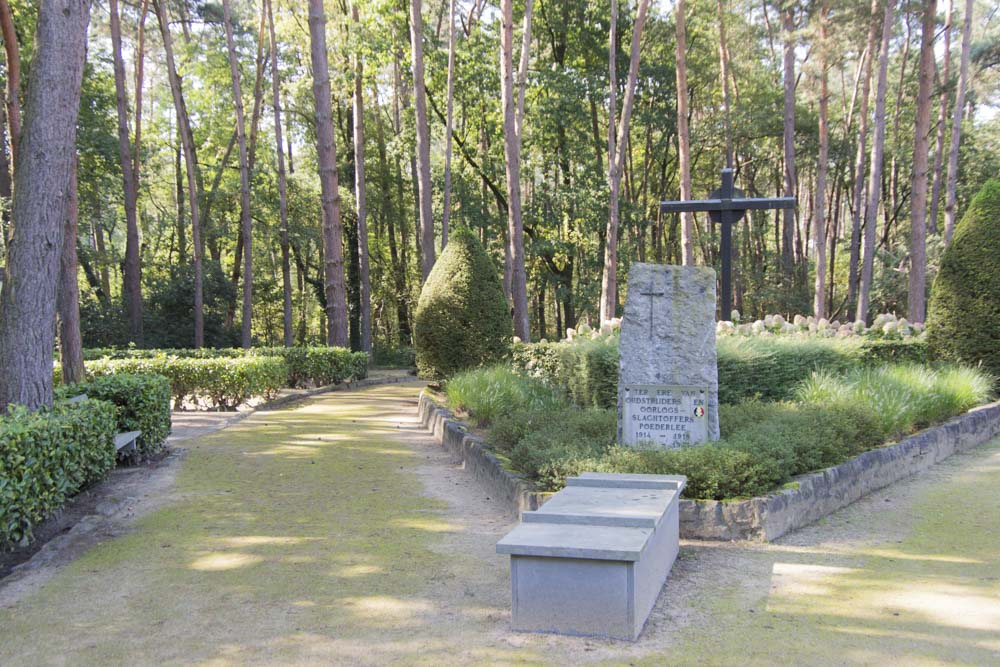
point(320, 366)
point(222, 382)
point(764, 444)
point(47, 456)
point(143, 403)
point(768, 369)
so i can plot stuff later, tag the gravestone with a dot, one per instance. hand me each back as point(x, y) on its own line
point(668, 387)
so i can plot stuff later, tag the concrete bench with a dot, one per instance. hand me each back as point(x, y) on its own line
point(126, 441)
point(592, 560)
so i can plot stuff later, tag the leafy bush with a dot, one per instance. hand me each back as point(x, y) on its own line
point(143, 403)
point(223, 383)
point(486, 393)
point(963, 318)
point(320, 366)
point(395, 357)
point(564, 434)
point(462, 319)
point(47, 456)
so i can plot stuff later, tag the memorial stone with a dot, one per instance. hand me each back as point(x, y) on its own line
point(668, 388)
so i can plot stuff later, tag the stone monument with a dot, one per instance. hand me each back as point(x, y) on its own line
point(668, 386)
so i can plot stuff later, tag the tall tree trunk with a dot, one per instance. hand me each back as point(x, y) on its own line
point(286, 269)
point(246, 337)
point(684, 138)
point(859, 162)
point(140, 59)
point(70, 342)
point(510, 100)
point(724, 76)
point(191, 168)
point(449, 126)
point(617, 142)
point(788, 223)
point(423, 140)
point(333, 244)
point(359, 193)
point(13, 53)
point(918, 188)
point(132, 286)
point(875, 170)
point(42, 178)
point(819, 296)
point(951, 189)
point(942, 122)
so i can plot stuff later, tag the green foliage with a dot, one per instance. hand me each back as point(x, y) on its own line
point(319, 366)
point(47, 456)
point(223, 382)
point(462, 320)
point(563, 434)
point(486, 393)
point(963, 317)
point(395, 357)
point(169, 308)
point(143, 403)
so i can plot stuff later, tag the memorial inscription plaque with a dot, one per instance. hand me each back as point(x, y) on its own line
point(666, 416)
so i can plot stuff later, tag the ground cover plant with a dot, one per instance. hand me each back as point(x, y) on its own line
point(828, 417)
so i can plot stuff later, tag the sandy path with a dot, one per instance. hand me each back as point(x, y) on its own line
point(338, 532)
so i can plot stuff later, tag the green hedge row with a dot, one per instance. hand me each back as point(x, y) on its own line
point(227, 377)
point(47, 456)
point(768, 369)
point(143, 403)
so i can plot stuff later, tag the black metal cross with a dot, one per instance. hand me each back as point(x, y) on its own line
point(728, 206)
point(651, 296)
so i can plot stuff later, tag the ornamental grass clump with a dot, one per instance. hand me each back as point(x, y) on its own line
point(487, 393)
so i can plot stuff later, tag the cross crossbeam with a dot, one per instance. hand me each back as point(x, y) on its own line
point(728, 206)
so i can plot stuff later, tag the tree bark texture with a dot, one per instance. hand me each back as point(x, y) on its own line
point(426, 242)
point(42, 178)
point(13, 53)
point(191, 169)
point(365, 287)
point(875, 170)
point(70, 341)
point(917, 292)
point(246, 337)
point(286, 269)
point(326, 149)
point(132, 284)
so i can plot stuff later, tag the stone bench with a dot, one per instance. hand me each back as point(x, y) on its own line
point(592, 560)
point(123, 441)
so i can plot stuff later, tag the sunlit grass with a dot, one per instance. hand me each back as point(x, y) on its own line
point(487, 393)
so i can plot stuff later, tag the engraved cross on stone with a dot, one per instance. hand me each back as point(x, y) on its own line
point(652, 295)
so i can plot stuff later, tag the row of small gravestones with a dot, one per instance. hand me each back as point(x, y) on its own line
point(592, 559)
point(124, 442)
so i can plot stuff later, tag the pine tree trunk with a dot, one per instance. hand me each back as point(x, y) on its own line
point(359, 193)
point(918, 188)
point(326, 148)
point(286, 269)
point(70, 342)
point(426, 241)
point(512, 155)
point(617, 143)
point(132, 285)
point(246, 337)
point(191, 168)
point(13, 65)
point(449, 125)
point(942, 122)
point(42, 178)
point(951, 189)
point(819, 296)
point(684, 138)
point(875, 170)
point(859, 163)
point(788, 222)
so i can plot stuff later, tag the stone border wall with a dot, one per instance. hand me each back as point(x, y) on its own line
point(764, 518)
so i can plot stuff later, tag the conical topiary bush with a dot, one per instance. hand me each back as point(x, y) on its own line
point(963, 318)
point(462, 320)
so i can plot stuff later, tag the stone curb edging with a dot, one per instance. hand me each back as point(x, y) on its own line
point(515, 492)
point(763, 518)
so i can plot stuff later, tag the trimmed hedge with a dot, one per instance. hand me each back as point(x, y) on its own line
point(143, 403)
point(47, 456)
point(963, 320)
point(462, 319)
point(749, 368)
point(224, 383)
point(320, 366)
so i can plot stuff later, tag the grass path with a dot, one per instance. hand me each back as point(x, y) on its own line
point(336, 532)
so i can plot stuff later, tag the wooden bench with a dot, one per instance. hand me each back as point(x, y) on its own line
point(592, 560)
